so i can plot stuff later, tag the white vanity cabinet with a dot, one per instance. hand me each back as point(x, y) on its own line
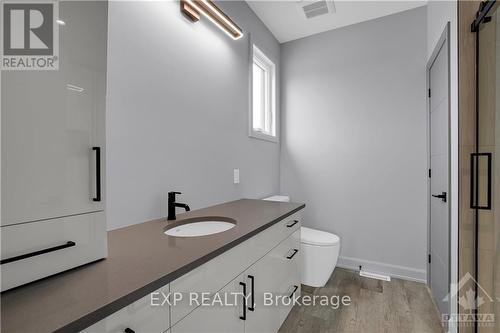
point(220, 319)
point(276, 271)
point(291, 265)
point(268, 262)
point(53, 154)
point(77, 239)
point(138, 317)
point(52, 119)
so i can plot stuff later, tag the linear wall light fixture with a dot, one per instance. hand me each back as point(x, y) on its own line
point(193, 8)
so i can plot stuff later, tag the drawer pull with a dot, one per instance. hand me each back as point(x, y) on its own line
point(293, 292)
point(293, 254)
point(37, 253)
point(252, 290)
point(292, 224)
point(129, 330)
point(97, 174)
point(244, 316)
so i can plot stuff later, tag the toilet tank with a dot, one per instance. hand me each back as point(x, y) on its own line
point(282, 198)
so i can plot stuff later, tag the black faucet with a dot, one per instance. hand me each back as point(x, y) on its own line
point(172, 204)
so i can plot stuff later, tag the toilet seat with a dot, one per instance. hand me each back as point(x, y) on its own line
point(318, 237)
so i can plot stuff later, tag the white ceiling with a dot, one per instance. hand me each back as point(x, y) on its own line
point(287, 21)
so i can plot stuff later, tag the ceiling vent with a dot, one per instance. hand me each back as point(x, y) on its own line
point(313, 8)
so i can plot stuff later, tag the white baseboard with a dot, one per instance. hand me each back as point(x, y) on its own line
point(395, 271)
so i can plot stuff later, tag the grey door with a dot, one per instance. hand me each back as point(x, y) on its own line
point(439, 224)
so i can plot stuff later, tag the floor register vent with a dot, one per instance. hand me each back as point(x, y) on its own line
point(372, 275)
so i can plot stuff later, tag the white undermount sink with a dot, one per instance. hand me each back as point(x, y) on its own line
point(200, 227)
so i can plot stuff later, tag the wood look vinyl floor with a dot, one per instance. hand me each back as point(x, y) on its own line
point(376, 306)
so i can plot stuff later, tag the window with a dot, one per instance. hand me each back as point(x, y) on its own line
point(263, 110)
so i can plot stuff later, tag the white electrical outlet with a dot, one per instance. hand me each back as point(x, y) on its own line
point(236, 176)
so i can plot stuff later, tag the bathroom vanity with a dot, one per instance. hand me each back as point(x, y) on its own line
point(259, 254)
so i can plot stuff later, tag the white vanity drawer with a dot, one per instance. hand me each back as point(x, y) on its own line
point(31, 251)
point(293, 272)
point(215, 274)
point(280, 231)
point(138, 317)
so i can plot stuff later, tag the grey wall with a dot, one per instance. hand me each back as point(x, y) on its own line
point(354, 139)
point(178, 99)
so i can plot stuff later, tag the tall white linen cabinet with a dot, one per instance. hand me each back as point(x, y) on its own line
point(53, 153)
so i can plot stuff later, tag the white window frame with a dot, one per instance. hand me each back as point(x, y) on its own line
point(258, 57)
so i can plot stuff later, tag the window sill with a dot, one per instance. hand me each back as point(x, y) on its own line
point(262, 136)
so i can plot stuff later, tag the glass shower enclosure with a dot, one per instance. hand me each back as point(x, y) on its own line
point(484, 194)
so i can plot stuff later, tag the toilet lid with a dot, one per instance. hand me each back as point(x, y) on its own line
point(282, 198)
point(317, 237)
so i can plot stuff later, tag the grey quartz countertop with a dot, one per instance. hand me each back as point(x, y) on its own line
point(141, 259)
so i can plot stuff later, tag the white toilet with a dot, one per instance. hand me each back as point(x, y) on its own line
point(320, 251)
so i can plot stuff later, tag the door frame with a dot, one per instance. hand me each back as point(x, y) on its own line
point(444, 41)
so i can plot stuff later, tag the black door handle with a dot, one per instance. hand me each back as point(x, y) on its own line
point(293, 292)
point(441, 196)
point(292, 224)
point(244, 316)
point(293, 254)
point(252, 290)
point(97, 173)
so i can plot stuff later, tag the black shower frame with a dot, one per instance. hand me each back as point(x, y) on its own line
point(481, 17)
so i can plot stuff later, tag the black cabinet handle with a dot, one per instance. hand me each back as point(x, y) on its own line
point(244, 316)
point(474, 181)
point(293, 254)
point(292, 224)
point(293, 292)
point(252, 290)
point(97, 173)
point(441, 196)
point(129, 330)
point(37, 253)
